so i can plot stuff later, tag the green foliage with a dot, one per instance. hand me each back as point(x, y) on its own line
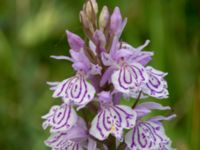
point(32, 30)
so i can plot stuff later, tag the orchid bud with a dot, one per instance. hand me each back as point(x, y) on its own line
point(116, 20)
point(75, 42)
point(104, 18)
point(90, 8)
point(99, 38)
point(95, 6)
point(85, 21)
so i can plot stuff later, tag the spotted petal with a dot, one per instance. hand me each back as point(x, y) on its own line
point(129, 78)
point(76, 90)
point(74, 138)
point(156, 86)
point(147, 136)
point(60, 118)
point(112, 120)
point(58, 141)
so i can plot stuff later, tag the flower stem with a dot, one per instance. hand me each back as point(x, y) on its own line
point(137, 100)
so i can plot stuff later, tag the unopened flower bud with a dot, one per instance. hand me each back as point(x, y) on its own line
point(84, 19)
point(99, 38)
point(95, 6)
point(90, 8)
point(116, 20)
point(104, 18)
point(75, 42)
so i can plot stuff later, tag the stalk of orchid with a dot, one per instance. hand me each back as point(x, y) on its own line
point(108, 71)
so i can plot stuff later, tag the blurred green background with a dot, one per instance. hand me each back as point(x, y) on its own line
point(32, 30)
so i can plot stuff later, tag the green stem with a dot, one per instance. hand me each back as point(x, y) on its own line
point(137, 100)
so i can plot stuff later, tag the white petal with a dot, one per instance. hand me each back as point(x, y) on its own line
point(60, 118)
point(48, 116)
point(101, 125)
point(123, 118)
point(129, 78)
point(123, 80)
point(128, 116)
point(56, 140)
point(156, 72)
point(112, 120)
point(62, 87)
point(147, 136)
point(76, 90)
point(139, 73)
point(156, 86)
point(81, 92)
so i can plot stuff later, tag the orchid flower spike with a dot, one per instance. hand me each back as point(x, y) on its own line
point(107, 71)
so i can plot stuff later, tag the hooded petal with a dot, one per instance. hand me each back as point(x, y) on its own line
point(117, 97)
point(156, 86)
point(147, 136)
point(141, 57)
point(107, 75)
point(81, 62)
point(106, 59)
point(136, 55)
point(60, 118)
point(96, 70)
point(122, 53)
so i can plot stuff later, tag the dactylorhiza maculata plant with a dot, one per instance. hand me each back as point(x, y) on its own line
point(107, 70)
